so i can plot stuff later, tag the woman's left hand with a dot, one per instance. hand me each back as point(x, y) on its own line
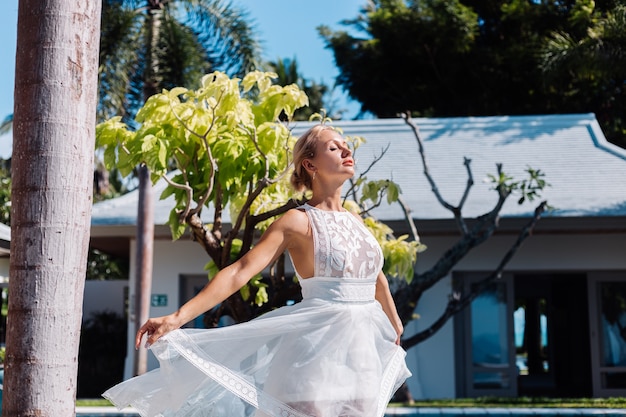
point(399, 330)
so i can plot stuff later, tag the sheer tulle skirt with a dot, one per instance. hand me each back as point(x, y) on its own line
point(316, 358)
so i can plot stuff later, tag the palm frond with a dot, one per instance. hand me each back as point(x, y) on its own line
point(121, 34)
point(148, 45)
point(611, 50)
point(182, 59)
point(601, 51)
point(286, 70)
point(560, 50)
point(225, 33)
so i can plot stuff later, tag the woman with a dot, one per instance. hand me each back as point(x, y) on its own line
point(336, 353)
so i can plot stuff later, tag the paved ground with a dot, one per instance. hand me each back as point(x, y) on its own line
point(104, 412)
point(503, 412)
point(420, 412)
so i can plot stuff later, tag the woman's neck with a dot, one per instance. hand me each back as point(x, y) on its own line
point(326, 201)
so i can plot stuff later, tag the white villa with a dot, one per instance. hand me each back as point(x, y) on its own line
point(564, 292)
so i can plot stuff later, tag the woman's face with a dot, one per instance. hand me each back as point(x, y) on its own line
point(332, 156)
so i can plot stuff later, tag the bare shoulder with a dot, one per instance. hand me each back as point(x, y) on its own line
point(294, 223)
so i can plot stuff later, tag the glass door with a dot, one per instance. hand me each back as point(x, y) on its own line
point(489, 347)
point(607, 310)
point(533, 334)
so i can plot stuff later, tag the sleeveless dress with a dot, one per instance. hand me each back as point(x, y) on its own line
point(331, 355)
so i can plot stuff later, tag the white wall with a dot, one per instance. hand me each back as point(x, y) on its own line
point(432, 361)
point(575, 252)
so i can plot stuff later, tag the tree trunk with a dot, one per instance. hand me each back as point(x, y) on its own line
point(145, 205)
point(144, 258)
point(52, 173)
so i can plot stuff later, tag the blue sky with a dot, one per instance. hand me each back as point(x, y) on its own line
point(8, 29)
point(286, 27)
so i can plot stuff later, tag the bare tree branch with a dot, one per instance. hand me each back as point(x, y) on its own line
point(407, 215)
point(408, 295)
point(457, 302)
point(433, 186)
point(456, 211)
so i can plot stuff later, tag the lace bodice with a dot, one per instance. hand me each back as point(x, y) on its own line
point(343, 247)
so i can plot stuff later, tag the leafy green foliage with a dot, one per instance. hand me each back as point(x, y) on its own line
point(101, 266)
point(528, 188)
point(319, 94)
point(149, 45)
point(374, 190)
point(440, 58)
point(222, 143)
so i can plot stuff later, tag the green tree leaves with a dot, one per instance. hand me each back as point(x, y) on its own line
point(222, 139)
point(528, 189)
point(438, 58)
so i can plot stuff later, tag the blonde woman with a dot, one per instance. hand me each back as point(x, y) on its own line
point(335, 353)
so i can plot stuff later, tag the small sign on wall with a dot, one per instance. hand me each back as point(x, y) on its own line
point(159, 300)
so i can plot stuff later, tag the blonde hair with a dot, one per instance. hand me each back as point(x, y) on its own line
point(304, 149)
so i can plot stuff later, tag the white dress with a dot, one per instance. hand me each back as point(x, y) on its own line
point(332, 354)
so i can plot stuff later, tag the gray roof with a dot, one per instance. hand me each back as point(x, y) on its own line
point(587, 174)
point(123, 210)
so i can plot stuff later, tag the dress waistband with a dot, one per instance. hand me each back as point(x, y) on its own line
point(347, 290)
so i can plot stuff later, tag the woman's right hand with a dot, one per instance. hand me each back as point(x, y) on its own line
point(229, 280)
point(155, 328)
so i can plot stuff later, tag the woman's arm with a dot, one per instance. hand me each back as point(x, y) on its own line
point(383, 296)
point(227, 281)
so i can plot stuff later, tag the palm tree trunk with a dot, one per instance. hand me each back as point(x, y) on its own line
point(145, 206)
point(143, 258)
point(52, 176)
